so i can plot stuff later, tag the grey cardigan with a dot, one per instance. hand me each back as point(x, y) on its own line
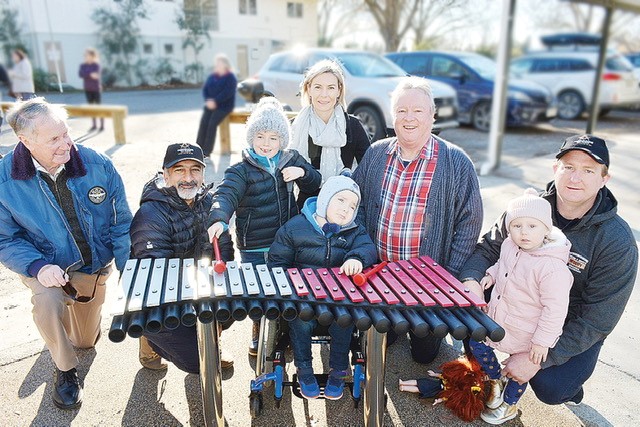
point(454, 207)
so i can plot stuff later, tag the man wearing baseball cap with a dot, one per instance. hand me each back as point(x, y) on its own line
point(603, 260)
point(171, 223)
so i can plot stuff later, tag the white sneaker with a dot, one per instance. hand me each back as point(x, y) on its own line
point(495, 398)
point(500, 415)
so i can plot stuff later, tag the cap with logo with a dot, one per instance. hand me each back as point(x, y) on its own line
point(592, 145)
point(179, 152)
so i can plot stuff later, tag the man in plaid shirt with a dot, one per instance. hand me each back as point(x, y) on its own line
point(420, 194)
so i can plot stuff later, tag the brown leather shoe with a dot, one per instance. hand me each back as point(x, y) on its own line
point(149, 358)
point(255, 334)
point(226, 361)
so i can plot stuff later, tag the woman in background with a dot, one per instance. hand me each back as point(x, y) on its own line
point(90, 74)
point(219, 92)
point(21, 76)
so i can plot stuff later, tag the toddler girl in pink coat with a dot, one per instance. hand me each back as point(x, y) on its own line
point(530, 297)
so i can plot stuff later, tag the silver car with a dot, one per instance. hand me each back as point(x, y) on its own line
point(370, 79)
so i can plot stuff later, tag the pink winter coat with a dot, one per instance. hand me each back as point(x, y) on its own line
point(530, 297)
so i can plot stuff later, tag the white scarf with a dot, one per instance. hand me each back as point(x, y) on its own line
point(331, 136)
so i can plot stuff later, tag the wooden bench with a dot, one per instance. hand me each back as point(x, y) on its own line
point(238, 117)
point(115, 112)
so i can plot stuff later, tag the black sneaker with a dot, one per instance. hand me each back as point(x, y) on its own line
point(67, 391)
point(577, 399)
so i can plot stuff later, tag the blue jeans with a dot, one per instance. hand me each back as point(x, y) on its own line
point(301, 332)
point(559, 384)
point(490, 365)
point(255, 258)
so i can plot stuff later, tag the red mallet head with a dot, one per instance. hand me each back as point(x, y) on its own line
point(219, 266)
point(359, 279)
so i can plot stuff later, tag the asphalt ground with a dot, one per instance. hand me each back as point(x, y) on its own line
point(119, 392)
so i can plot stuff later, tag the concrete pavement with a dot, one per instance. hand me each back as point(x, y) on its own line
point(119, 392)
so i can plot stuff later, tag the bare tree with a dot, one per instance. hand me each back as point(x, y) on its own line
point(335, 18)
point(394, 18)
point(435, 18)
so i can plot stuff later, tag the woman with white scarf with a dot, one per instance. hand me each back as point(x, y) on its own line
point(323, 133)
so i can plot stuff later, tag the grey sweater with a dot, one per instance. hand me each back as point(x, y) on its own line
point(604, 262)
point(453, 218)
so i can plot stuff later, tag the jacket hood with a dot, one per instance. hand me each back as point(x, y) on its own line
point(285, 156)
point(309, 210)
point(557, 245)
point(604, 208)
point(156, 191)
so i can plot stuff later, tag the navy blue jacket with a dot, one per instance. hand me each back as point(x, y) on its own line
point(33, 227)
point(300, 243)
point(262, 202)
point(221, 89)
point(166, 227)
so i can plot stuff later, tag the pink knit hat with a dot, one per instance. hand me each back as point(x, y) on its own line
point(529, 205)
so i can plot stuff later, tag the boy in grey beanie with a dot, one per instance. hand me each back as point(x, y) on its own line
point(259, 189)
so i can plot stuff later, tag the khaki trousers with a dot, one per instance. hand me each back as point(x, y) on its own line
point(64, 323)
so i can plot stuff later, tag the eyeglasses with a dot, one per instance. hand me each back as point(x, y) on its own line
point(73, 293)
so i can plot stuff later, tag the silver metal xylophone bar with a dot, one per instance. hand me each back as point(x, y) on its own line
point(413, 294)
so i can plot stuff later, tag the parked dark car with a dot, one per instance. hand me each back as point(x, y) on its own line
point(472, 76)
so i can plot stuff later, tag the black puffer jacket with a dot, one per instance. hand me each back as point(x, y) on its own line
point(301, 244)
point(262, 202)
point(166, 227)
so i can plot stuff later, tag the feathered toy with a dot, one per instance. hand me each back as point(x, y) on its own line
point(460, 385)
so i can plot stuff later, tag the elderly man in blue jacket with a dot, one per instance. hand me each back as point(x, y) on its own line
point(63, 219)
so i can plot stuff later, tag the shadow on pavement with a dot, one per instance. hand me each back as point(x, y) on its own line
point(589, 416)
point(144, 403)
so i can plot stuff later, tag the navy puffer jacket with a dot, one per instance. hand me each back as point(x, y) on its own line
point(301, 243)
point(262, 202)
point(166, 227)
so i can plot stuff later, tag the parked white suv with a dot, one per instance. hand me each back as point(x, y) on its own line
point(570, 76)
point(370, 79)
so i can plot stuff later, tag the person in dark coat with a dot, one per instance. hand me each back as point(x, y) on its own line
point(259, 189)
point(91, 79)
point(323, 133)
point(324, 235)
point(171, 223)
point(219, 92)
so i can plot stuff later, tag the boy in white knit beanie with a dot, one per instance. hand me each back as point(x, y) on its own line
point(530, 297)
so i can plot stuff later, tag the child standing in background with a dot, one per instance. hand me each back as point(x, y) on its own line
point(91, 76)
point(325, 235)
point(530, 298)
point(259, 189)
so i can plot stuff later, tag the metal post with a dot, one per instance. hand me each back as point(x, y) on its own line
point(499, 103)
point(594, 109)
point(55, 60)
point(376, 353)
point(210, 374)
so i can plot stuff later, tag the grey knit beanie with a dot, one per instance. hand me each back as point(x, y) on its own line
point(269, 116)
point(330, 188)
point(529, 205)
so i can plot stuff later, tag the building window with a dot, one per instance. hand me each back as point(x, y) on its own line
point(147, 48)
point(201, 14)
point(168, 49)
point(294, 9)
point(248, 7)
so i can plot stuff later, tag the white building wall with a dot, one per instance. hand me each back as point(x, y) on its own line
point(253, 37)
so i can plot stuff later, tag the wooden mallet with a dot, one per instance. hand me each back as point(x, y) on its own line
point(219, 266)
point(361, 278)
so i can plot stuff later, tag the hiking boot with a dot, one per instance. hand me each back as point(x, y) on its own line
point(148, 357)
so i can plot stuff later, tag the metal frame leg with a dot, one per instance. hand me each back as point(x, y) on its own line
point(210, 373)
point(376, 353)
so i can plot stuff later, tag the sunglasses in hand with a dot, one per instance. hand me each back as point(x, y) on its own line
point(73, 292)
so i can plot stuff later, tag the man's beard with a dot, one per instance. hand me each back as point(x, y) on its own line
point(187, 193)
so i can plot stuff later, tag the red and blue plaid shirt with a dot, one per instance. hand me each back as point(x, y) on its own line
point(403, 201)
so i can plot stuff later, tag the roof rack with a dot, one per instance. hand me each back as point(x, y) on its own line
point(573, 41)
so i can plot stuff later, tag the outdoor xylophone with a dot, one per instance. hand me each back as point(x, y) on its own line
point(415, 294)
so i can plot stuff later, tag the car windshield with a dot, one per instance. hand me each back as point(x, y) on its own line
point(480, 64)
point(618, 63)
point(369, 65)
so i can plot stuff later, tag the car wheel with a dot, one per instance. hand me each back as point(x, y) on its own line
point(373, 123)
point(570, 105)
point(481, 116)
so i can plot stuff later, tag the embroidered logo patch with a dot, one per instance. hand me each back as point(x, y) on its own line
point(149, 245)
point(185, 150)
point(577, 262)
point(97, 195)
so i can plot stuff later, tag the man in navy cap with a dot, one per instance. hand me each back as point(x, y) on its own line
point(603, 260)
point(171, 223)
